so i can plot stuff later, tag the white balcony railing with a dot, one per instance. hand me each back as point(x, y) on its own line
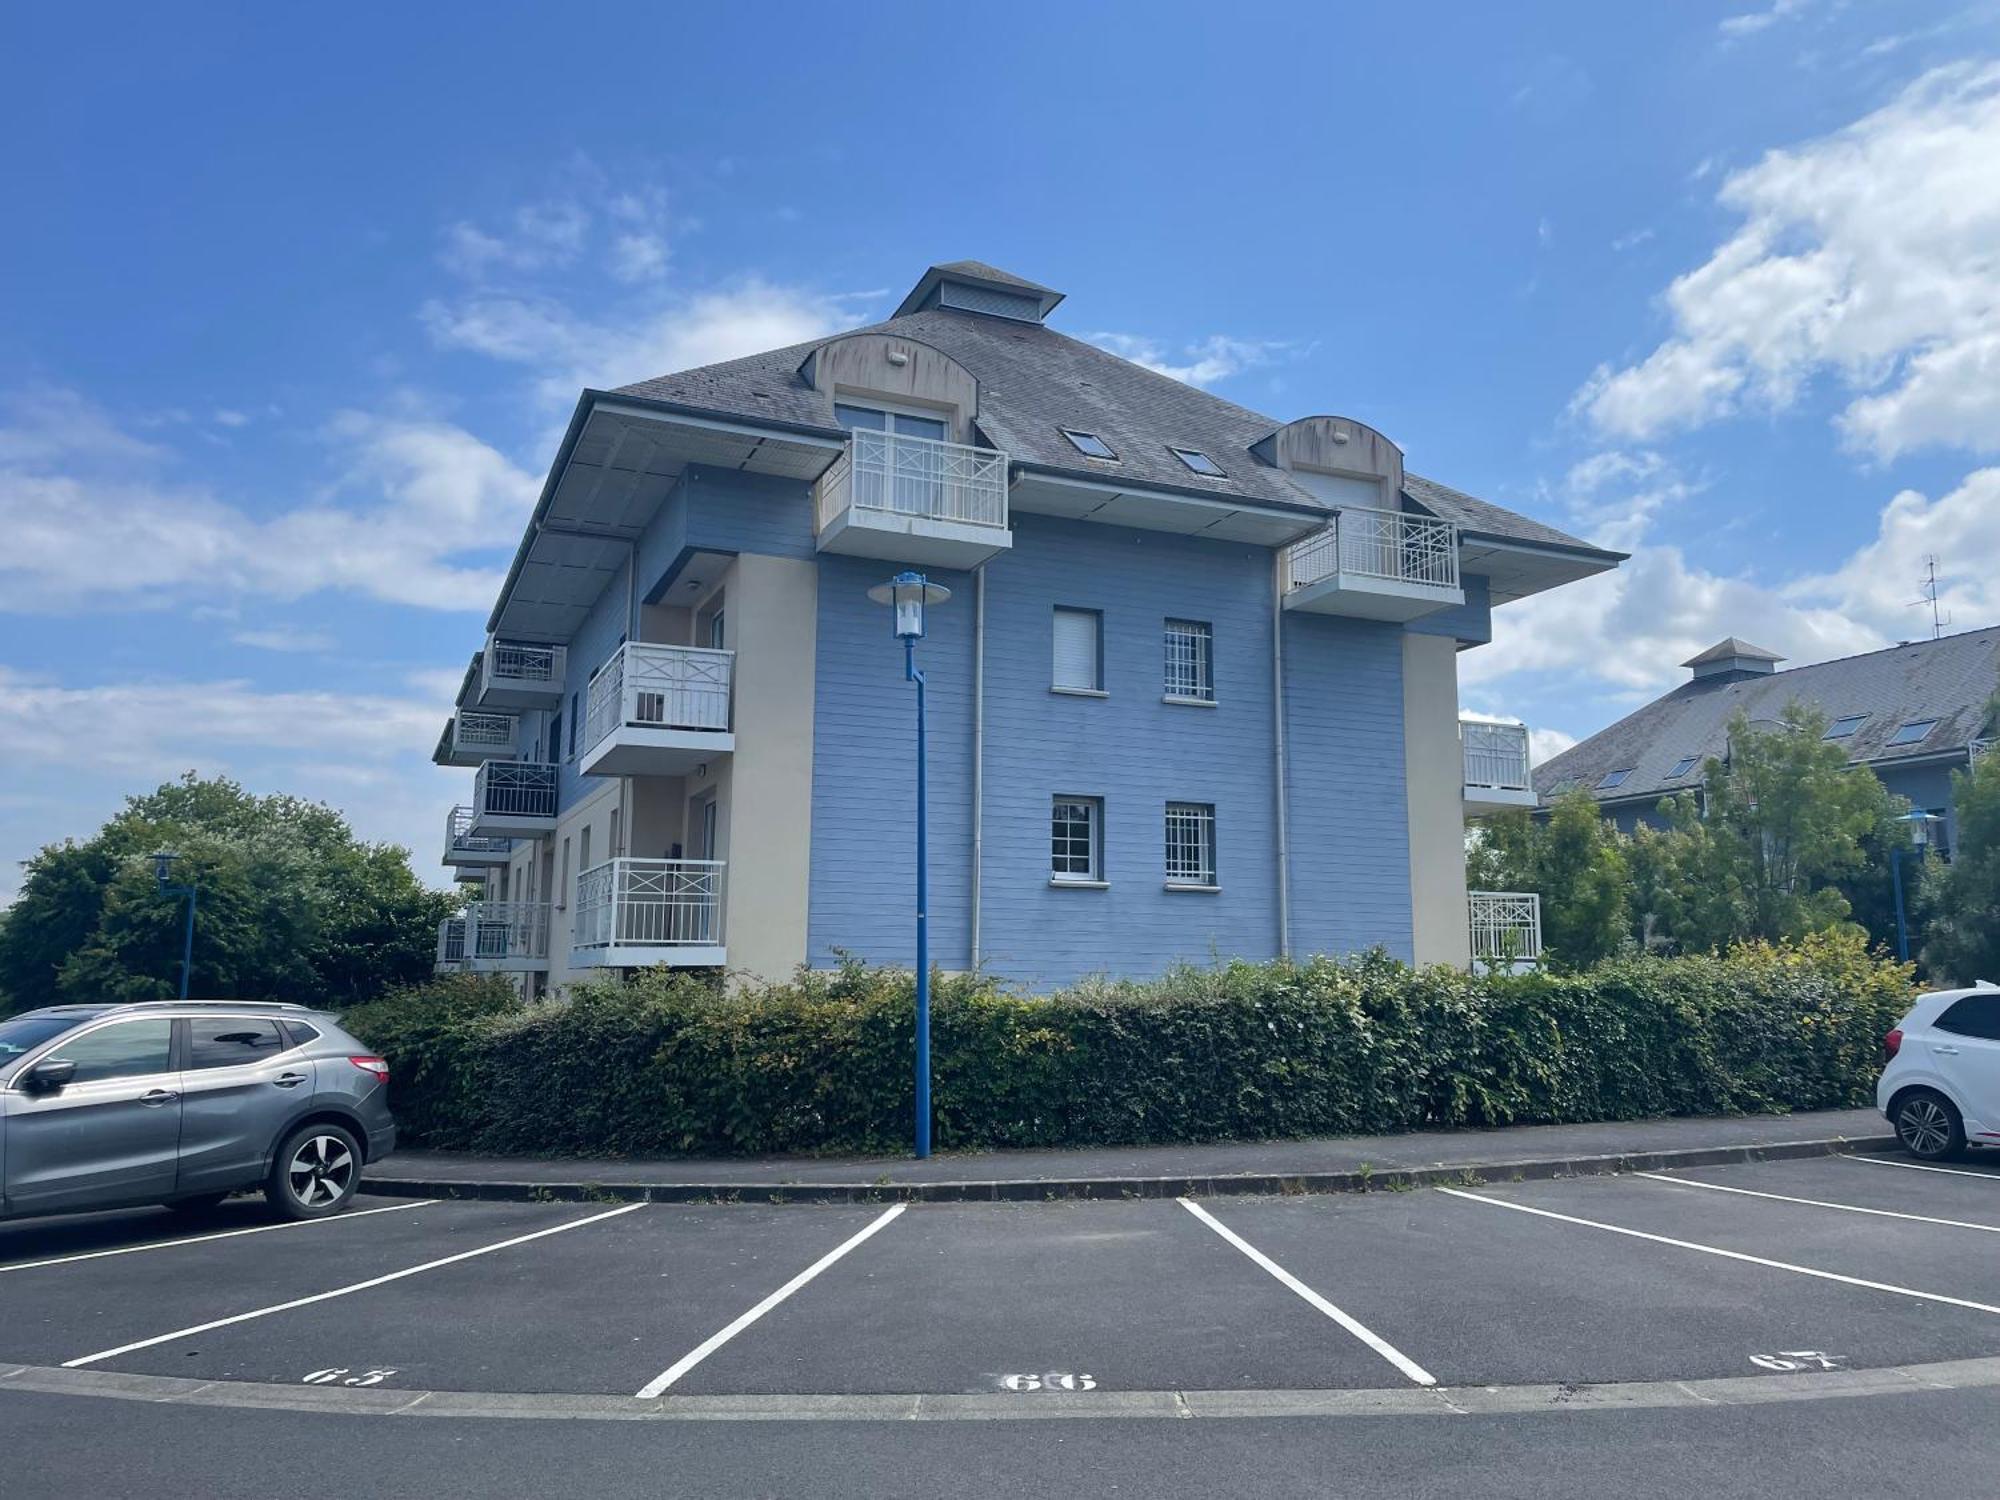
point(1496, 755)
point(1978, 748)
point(451, 943)
point(917, 478)
point(1388, 545)
point(515, 674)
point(650, 686)
point(514, 789)
point(650, 903)
point(1506, 928)
point(459, 839)
point(481, 732)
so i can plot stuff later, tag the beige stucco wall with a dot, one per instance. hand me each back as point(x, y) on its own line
point(1434, 773)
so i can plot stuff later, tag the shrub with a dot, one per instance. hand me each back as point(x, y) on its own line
point(667, 1064)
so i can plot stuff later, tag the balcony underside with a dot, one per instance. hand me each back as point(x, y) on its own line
point(912, 539)
point(635, 750)
point(510, 825)
point(648, 955)
point(518, 694)
point(1363, 598)
point(479, 860)
point(1481, 800)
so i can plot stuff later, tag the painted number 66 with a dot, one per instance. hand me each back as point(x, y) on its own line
point(1053, 1381)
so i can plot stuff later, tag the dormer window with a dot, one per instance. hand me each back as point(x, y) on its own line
point(1198, 462)
point(1089, 444)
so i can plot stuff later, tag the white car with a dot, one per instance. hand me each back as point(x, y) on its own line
point(1941, 1086)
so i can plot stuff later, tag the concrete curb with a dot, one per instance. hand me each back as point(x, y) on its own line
point(1039, 1190)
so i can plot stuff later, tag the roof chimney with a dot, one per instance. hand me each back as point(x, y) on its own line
point(1732, 660)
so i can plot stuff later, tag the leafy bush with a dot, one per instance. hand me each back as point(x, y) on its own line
point(669, 1064)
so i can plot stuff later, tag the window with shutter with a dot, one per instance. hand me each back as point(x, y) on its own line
point(1077, 658)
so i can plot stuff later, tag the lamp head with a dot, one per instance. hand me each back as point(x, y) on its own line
point(163, 866)
point(908, 595)
point(1919, 823)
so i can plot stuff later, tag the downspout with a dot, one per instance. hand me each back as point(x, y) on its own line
point(626, 811)
point(1278, 750)
point(978, 743)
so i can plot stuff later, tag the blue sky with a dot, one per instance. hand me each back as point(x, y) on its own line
point(292, 309)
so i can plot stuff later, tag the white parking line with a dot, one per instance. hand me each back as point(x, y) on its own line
point(1917, 1166)
point(359, 1286)
point(202, 1239)
point(1851, 1208)
point(1755, 1260)
point(722, 1336)
point(1373, 1340)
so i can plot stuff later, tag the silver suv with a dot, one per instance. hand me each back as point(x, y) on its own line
point(184, 1103)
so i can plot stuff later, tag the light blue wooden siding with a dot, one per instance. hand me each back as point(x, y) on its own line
point(862, 888)
point(1349, 819)
point(589, 648)
point(1470, 622)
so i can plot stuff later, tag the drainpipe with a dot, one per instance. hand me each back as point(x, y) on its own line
point(978, 742)
point(1278, 749)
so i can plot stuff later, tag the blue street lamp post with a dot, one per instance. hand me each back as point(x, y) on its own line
point(1919, 824)
point(163, 872)
point(908, 594)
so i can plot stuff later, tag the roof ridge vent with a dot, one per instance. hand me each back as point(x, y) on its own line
point(973, 286)
point(1731, 660)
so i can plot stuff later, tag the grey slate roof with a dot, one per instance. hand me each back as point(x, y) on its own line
point(1034, 381)
point(1949, 680)
point(1731, 648)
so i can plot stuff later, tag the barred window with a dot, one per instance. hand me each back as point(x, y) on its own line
point(1074, 828)
point(1189, 673)
point(1191, 843)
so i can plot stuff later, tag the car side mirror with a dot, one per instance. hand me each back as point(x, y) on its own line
point(51, 1074)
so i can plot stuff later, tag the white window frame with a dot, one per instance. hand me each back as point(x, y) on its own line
point(948, 415)
point(1190, 826)
point(1093, 874)
point(1199, 685)
point(1095, 688)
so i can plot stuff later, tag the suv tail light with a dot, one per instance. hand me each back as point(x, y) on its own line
point(1892, 1042)
point(374, 1065)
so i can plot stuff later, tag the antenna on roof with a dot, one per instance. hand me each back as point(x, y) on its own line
point(1930, 597)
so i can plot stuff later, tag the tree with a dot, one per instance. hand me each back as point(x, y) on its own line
point(292, 906)
point(1961, 900)
point(1574, 860)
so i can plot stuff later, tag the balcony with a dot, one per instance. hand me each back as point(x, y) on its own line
point(514, 799)
point(914, 500)
point(1496, 764)
point(657, 711)
point(632, 913)
point(469, 852)
point(473, 735)
point(1506, 931)
point(496, 937)
point(521, 674)
point(1375, 565)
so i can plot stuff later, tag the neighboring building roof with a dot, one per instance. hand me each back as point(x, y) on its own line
point(1034, 381)
point(1731, 648)
point(1950, 680)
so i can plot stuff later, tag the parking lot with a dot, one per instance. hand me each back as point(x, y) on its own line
point(1779, 1272)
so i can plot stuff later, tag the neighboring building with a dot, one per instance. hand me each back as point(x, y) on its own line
point(1195, 695)
point(1913, 713)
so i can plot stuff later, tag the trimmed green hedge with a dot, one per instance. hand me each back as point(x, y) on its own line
point(668, 1064)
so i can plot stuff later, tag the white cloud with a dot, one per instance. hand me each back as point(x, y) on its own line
point(1631, 241)
point(414, 504)
point(1871, 255)
point(1751, 22)
point(537, 237)
point(286, 638)
point(224, 416)
point(638, 257)
point(1201, 363)
point(1546, 744)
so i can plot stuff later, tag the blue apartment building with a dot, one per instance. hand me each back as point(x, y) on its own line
point(1194, 696)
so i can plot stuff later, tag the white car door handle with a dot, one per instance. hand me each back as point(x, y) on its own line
point(1945, 1051)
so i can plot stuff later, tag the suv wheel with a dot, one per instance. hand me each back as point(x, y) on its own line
point(315, 1172)
point(1929, 1126)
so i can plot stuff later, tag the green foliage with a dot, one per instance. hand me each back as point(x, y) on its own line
point(292, 906)
point(1576, 860)
point(1961, 900)
point(667, 1064)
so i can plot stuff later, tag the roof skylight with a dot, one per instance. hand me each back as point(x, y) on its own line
point(1682, 766)
point(1198, 461)
point(1089, 444)
point(1913, 733)
point(1613, 778)
point(1845, 725)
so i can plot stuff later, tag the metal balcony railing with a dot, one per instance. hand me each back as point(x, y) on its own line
point(916, 477)
point(1506, 927)
point(1387, 545)
point(652, 686)
point(515, 789)
point(460, 839)
point(451, 943)
point(499, 931)
point(523, 666)
point(1496, 756)
point(483, 732)
point(649, 903)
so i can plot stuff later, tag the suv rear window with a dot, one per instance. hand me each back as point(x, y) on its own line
point(300, 1033)
point(1975, 1015)
point(231, 1041)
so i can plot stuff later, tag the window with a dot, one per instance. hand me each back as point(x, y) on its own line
point(900, 423)
point(572, 726)
point(1682, 766)
point(562, 877)
point(1190, 843)
point(1079, 657)
point(1089, 444)
point(1913, 733)
point(1198, 462)
point(1074, 827)
point(231, 1041)
point(1975, 1015)
point(555, 737)
point(1189, 673)
point(300, 1033)
point(1940, 833)
point(1845, 725)
point(715, 636)
point(126, 1049)
point(1613, 778)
